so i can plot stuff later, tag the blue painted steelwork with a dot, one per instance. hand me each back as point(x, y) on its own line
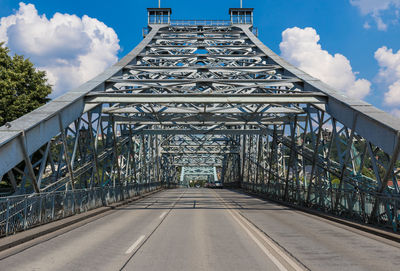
point(210, 94)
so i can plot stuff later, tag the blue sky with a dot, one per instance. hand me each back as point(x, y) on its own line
point(348, 27)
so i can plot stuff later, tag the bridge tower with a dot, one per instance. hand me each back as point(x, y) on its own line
point(209, 94)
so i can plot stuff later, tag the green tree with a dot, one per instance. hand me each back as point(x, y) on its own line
point(22, 87)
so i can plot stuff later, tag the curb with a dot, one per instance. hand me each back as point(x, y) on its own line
point(41, 230)
point(365, 228)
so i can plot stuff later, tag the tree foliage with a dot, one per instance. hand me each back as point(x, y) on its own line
point(22, 87)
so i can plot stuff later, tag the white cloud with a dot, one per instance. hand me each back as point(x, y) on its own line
point(377, 9)
point(389, 64)
point(70, 49)
point(392, 97)
point(301, 48)
point(373, 6)
point(389, 73)
point(379, 23)
point(367, 25)
point(395, 112)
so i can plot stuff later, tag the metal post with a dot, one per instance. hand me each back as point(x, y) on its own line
point(182, 175)
point(7, 215)
point(315, 155)
point(52, 207)
point(67, 161)
point(116, 153)
point(93, 141)
point(28, 162)
point(25, 212)
point(272, 151)
point(387, 176)
point(347, 157)
point(292, 148)
point(40, 208)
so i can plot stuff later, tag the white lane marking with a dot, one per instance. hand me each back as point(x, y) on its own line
point(260, 245)
point(132, 247)
point(246, 225)
point(292, 263)
point(162, 215)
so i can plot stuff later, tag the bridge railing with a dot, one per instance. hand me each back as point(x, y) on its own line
point(146, 30)
point(26, 211)
point(349, 207)
point(201, 22)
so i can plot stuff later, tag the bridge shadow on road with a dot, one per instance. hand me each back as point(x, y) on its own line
point(206, 199)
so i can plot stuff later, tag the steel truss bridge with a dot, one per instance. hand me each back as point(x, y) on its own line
point(201, 95)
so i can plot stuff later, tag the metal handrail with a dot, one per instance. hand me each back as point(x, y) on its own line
point(18, 213)
point(201, 22)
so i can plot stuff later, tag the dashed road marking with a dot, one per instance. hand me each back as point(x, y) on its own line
point(162, 215)
point(132, 247)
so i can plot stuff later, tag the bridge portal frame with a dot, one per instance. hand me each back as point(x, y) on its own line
point(299, 122)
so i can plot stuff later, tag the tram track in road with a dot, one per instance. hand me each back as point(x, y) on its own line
point(282, 258)
point(315, 241)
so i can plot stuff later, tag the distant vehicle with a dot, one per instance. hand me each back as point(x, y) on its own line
point(214, 185)
point(210, 185)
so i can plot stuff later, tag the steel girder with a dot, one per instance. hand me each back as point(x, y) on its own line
point(211, 95)
point(197, 173)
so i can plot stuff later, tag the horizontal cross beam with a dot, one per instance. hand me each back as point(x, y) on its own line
point(158, 56)
point(197, 164)
point(203, 67)
point(296, 98)
point(206, 80)
point(202, 132)
point(198, 152)
point(200, 111)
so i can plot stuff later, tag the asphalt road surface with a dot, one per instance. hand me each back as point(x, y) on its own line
point(205, 229)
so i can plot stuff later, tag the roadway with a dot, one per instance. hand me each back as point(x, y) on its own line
point(204, 229)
